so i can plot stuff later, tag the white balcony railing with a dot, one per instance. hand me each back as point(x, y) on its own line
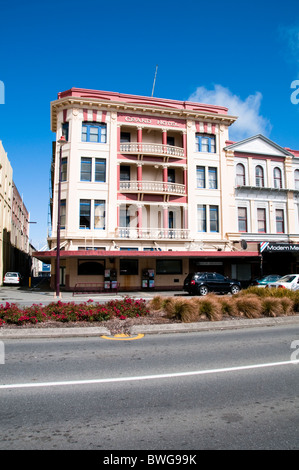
point(152, 149)
point(152, 187)
point(153, 233)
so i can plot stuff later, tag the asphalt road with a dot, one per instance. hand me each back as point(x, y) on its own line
point(193, 391)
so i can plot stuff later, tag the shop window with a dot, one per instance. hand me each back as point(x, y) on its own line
point(91, 268)
point(128, 267)
point(169, 266)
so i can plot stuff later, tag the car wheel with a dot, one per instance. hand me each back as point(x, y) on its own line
point(203, 290)
point(235, 289)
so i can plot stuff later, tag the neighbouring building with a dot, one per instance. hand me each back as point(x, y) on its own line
point(5, 211)
point(14, 224)
point(152, 189)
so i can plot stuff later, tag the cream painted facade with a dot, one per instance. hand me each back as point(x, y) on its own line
point(150, 183)
point(5, 211)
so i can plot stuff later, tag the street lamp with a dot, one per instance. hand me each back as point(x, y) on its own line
point(61, 141)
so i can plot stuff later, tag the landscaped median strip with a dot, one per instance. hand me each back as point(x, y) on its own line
point(102, 332)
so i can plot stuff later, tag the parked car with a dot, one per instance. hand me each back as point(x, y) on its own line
point(12, 278)
point(289, 281)
point(266, 280)
point(202, 283)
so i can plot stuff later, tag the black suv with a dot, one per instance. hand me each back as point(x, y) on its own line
point(203, 283)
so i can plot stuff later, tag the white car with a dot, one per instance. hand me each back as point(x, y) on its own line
point(289, 281)
point(12, 278)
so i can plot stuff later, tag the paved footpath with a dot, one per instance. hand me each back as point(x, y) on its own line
point(29, 297)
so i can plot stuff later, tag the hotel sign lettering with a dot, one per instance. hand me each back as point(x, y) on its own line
point(135, 119)
point(267, 247)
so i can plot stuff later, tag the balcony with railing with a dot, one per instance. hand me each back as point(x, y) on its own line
point(152, 233)
point(153, 149)
point(153, 187)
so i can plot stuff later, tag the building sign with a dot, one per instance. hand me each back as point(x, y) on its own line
point(135, 119)
point(267, 247)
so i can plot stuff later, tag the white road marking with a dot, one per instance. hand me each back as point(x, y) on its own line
point(148, 377)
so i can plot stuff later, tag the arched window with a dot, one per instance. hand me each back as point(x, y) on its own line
point(259, 176)
point(296, 178)
point(240, 175)
point(277, 177)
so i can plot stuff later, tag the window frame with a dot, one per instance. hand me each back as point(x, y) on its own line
point(211, 143)
point(259, 178)
point(277, 180)
point(63, 169)
point(280, 220)
point(240, 176)
point(102, 217)
point(85, 160)
point(213, 170)
point(213, 209)
point(243, 219)
point(200, 177)
point(101, 132)
point(82, 203)
point(262, 210)
point(202, 218)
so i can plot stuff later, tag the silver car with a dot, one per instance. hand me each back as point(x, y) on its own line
point(12, 278)
point(289, 281)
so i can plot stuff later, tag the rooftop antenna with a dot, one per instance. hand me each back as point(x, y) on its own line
point(154, 80)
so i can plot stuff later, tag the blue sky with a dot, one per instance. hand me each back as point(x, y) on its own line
point(243, 55)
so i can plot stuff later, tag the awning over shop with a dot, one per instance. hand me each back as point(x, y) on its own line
point(47, 256)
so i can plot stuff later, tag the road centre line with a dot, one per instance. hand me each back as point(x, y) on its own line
point(148, 377)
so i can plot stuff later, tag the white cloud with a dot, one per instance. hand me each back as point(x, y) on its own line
point(250, 122)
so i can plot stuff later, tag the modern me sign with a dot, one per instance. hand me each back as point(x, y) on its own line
point(267, 247)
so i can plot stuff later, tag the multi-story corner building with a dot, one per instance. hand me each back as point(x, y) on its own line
point(5, 211)
point(151, 189)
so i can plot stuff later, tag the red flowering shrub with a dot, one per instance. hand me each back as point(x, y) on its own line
point(64, 312)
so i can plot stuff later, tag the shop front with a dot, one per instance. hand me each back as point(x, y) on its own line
point(141, 270)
